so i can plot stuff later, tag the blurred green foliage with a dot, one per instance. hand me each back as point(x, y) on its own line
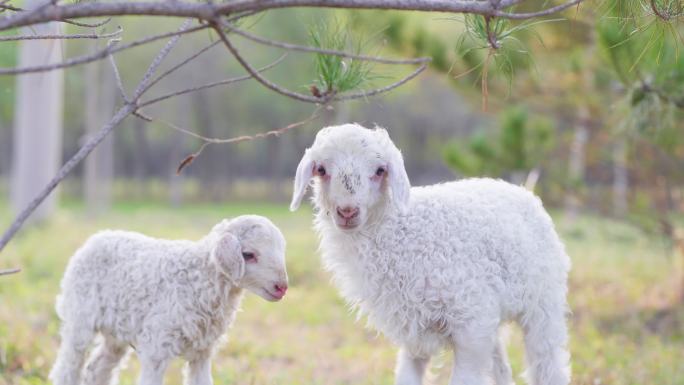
point(519, 145)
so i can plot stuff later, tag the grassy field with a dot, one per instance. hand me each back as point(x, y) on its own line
point(623, 330)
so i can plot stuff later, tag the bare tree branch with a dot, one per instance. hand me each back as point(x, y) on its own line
point(63, 37)
point(97, 55)
point(295, 47)
point(4, 7)
point(207, 141)
point(531, 15)
point(369, 93)
point(147, 78)
point(9, 271)
point(88, 25)
point(267, 83)
point(209, 85)
point(117, 74)
point(210, 11)
point(184, 62)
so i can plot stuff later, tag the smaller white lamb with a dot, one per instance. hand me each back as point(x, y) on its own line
point(165, 298)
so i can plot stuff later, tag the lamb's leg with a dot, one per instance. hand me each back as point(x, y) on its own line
point(152, 370)
point(473, 358)
point(198, 370)
point(71, 354)
point(103, 362)
point(546, 337)
point(502, 369)
point(410, 369)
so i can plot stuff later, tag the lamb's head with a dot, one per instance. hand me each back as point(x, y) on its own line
point(250, 251)
point(355, 171)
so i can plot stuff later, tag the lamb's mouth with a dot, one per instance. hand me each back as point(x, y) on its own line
point(347, 225)
point(272, 296)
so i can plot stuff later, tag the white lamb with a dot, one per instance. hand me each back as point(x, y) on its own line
point(440, 266)
point(165, 298)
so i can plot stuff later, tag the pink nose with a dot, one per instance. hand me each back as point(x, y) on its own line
point(347, 212)
point(280, 288)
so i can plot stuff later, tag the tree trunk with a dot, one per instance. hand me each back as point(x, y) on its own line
point(99, 166)
point(210, 174)
point(141, 151)
point(620, 177)
point(577, 165)
point(38, 121)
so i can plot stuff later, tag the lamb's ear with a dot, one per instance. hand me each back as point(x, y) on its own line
point(302, 179)
point(227, 254)
point(398, 180)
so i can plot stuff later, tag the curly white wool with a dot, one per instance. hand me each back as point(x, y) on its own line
point(440, 266)
point(165, 298)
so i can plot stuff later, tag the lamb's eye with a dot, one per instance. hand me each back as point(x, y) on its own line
point(248, 256)
point(380, 171)
point(320, 171)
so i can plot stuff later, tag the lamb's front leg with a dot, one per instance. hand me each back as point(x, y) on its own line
point(152, 370)
point(473, 359)
point(410, 369)
point(198, 370)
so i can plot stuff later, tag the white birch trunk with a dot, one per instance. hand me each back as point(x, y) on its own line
point(99, 166)
point(38, 122)
point(577, 163)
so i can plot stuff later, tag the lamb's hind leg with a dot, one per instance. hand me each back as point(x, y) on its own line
point(198, 370)
point(103, 361)
point(502, 369)
point(410, 368)
point(152, 367)
point(546, 337)
point(76, 339)
point(473, 358)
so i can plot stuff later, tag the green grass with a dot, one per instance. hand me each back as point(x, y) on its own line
point(620, 284)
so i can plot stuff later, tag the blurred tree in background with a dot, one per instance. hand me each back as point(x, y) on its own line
point(515, 148)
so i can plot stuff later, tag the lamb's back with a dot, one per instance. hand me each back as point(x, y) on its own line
point(120, 271)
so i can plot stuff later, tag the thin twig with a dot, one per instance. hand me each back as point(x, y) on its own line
point(117, 74)
point(88, 25)
point(207, 140)
point(267, 83)
point(365, 94)
point(198, 53)
point(63, 37)
point(147, 78)
point(9, 271)
point(184, 62)
point(97, 55)
point(531, 15)
point(76, 23)
point(301, 48)
point(209, 85)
